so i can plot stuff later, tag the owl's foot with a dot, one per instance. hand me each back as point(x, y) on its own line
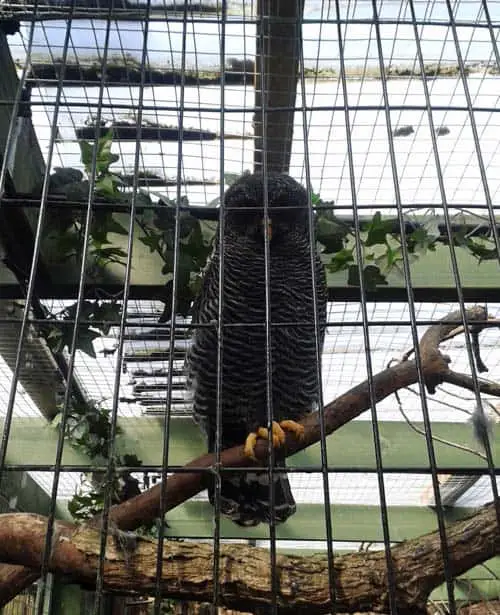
point(296, 428)
point(278, 435)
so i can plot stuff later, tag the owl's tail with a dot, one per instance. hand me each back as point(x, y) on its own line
point(245, 497)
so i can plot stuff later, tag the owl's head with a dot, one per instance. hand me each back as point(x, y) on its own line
point(287, 207)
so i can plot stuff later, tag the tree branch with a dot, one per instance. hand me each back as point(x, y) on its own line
point(466, 382)
point(181, 486)
point(361, 581)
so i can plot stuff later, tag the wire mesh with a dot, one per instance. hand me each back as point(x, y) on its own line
point(382, 107)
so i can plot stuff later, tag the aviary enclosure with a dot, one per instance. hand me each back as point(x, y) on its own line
point(348, 322)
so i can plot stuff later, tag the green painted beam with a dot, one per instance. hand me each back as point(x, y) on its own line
point(433, 270)
point(33, 441)
point(349, 523)
point(24, 494)
point(351, 447)
point(479, 583)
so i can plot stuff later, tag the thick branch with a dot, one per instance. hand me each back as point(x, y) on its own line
point(361, 582)
point(467, 382)
point(181, 486)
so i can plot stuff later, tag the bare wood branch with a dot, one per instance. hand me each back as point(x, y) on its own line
point(466, 382)
point(245, 582)
point(181, 486)
point(13, 579)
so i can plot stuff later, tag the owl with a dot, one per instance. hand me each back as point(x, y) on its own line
point(249, 361)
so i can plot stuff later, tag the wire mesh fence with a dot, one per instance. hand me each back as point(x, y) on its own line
point(145, 282)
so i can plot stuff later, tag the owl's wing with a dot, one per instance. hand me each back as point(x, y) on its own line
point(205, 303)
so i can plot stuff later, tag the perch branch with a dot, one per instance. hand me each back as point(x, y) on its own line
point(181, 486)
point(466, 382)
point(361, 581)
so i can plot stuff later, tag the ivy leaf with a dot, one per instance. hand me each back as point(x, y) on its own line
point(103, 223)
point(195, 283)
point(109, 255)
point(104, 156)
point(315, 199)
point(130, 460)
point(432, 228)
point(152, 241)
point(143, 199)
point(183, 301)
point(165, 218)
point(106, 185)
point(187, 225)
point(86, 149)
point(108, 312)
point(187, 267)
point(377, 230)
point(481, 251)
point(113, 226)
point(419, 240)
point(86, 311)
point(372, 277)
point(392, 256)
point(98, 228)
point(67, 245)
point(56, 421)
point(55, 339)
point(459, 238)
point(84, 341)
point(340, 260)
point(230, 178)
point(331, 233)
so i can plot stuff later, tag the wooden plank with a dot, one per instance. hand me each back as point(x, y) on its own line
point(26, 164)
point(348, 449)
point(349, 523)
point(278, 40)
point(39, 374)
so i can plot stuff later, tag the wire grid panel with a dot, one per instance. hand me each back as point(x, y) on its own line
point(325, 100)
point(412, 145)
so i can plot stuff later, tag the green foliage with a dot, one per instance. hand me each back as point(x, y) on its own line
point(90, 497)
point(67, 231)
point(380, 243)
point(379, 240)
point(88, 428)
point(95, 319)
point(195, 240)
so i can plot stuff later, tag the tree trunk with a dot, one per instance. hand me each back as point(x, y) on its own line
point(361, 580)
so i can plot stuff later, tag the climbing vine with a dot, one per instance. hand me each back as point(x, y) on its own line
point(380, 239)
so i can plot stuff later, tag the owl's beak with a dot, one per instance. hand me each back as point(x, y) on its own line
point(267, 228)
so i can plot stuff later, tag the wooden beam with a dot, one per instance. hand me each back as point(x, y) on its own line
point(349, 523)
point(349, 449)
point(39, 374)
point(277, 62)
point(24, 494)
point(25, 160)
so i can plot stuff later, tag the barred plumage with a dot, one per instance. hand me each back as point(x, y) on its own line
point(245, 496)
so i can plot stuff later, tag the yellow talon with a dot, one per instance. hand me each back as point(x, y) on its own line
point(279, 435)
point(250, 443)
point(296, 428)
